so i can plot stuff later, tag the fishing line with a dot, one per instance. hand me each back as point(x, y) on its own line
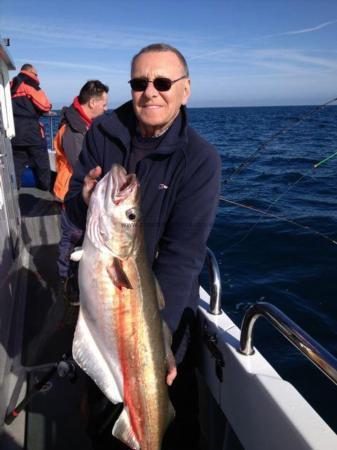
point(273, 137)
point(276, 216)
point(266, 212)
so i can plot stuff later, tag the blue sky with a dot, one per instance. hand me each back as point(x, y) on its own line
point(240, 53)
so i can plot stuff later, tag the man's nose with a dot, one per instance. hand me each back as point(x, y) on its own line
point(150, 90)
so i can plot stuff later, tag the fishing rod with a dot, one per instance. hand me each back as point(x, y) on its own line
point(251, 158)
point(266, 212)
point(63, 368)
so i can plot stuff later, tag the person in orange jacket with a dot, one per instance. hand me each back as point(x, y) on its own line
point(76, 119)
point(29, 144)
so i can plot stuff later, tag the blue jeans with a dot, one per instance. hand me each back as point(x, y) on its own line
point(71, 237)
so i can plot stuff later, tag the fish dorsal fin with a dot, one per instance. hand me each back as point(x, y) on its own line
point(122, 430)
point(76, 254)
point(117, 275)
point(160, 295)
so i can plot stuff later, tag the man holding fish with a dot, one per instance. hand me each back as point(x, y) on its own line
point(175, 191)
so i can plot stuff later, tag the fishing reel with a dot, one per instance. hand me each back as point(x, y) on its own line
point(66, 367)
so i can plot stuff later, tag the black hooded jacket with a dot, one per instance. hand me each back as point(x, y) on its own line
point(180, 184)
point(29, 103)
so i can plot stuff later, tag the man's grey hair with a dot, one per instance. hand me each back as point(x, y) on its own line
point(161, 48)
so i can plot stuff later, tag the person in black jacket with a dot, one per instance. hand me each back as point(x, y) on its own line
point(179, 174)
point(29, 144)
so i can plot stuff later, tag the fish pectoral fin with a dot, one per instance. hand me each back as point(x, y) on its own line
point(122, 430)
point(77, 254)
point(118, 276)
point(160, 295)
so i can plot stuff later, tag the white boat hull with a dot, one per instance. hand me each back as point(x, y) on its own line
point(265, 411)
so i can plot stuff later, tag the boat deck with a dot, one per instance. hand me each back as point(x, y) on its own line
point(53, 419)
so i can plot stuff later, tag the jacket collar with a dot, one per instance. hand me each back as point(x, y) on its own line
point(121, 124)
point(76, 104)
point(24, 77)
point(73, 118)
point(30, 76)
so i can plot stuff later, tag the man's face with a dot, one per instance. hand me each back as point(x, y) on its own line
point(33, 71)
point(98, 105)
point(157, 110)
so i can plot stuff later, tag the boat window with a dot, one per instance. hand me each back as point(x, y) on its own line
point(6, 102)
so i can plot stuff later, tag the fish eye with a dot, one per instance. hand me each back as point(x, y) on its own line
point(131, 214)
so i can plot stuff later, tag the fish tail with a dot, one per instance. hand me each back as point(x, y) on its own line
point(122, 430)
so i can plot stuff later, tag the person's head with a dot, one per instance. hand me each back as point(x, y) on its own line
point(30, 69)
point(93, 98)
point(157, 101)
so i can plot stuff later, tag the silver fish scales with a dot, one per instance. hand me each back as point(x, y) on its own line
point(120, 339)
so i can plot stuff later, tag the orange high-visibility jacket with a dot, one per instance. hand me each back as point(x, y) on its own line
point(63, 167)
point(29, 103)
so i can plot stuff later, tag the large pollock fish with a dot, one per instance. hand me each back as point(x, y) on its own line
point(120, 340)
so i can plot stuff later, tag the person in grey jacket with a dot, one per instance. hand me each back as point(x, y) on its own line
point(179, 175)
point(76, 119)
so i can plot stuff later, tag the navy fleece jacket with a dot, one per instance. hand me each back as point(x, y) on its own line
point(180, 184)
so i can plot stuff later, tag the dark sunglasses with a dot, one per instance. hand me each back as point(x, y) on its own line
point(162, 84)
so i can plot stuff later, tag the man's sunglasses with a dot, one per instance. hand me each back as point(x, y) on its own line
point(162, 84)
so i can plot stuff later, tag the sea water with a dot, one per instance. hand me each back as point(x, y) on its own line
point(264, 258)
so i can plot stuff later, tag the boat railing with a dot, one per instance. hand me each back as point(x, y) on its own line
point(215, 283)
point(51, 115)
point(317, 354)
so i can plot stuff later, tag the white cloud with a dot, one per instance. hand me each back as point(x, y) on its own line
point(68, 65)
point(70, 53)
point(94, 35)
point(300, 31)
point(290, 62)
point(295, 58)
point(310, 30)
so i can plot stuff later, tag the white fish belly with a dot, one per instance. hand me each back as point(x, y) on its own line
point(95, 346)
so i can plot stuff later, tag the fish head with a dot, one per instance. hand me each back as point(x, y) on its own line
point(114, 213)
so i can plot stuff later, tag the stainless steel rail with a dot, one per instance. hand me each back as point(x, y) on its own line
point(317, 354)
point(215, 283)
point(51, 114)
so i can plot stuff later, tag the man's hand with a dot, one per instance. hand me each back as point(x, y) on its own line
point(90, 181)
point(170, 360)
point(171, 369)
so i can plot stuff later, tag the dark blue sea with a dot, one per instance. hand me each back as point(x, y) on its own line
point(263, 258)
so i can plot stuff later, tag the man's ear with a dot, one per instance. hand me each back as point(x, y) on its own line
point(91, 103)
point(187, 91)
